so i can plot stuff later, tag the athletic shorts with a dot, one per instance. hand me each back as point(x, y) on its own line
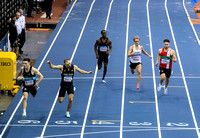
point(30, 89)
point(166, 71)
point(133, 65)
point(103, 58)
point(66, 87)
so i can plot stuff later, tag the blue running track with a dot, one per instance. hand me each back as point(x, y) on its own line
point(117, 108)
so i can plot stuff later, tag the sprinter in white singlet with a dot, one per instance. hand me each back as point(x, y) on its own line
point(135, 58)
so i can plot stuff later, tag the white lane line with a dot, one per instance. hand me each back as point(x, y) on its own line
point(51, 111)
point(189, 19)
point(11, 117)
point(94, 80)
point(2, 133)
point(88, 105)
point(128, 77)
point(153, 71)
point(182, 72)
point(125, 64)
point(117, 131)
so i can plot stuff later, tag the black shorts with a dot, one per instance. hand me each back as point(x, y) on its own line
point(166, 71)
point(134, 65)
point(66, 87)
point(103, 58)
point(30, 89)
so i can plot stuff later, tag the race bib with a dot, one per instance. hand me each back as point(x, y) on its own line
point(103, 48)
point(67, 78)
point(29, 82)
point(165, 61)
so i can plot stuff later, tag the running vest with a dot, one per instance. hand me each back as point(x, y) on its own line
point(137, 57)
point(165, 59)
point(103, 47)
point(29, 79)
point(67, 75)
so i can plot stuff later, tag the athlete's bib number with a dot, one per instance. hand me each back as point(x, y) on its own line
point(103, 48)
point(165, 61)
point(67, 78)
point(29, 82)
point(135, 59)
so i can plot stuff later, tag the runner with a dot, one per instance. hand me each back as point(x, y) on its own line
point(67, 74)
point(166, 56)
point(135, 58)
point(30, 84)
point(102, 48)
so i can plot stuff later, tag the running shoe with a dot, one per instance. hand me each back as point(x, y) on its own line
point(67, 115)
point(24, 115)
point(159, 87)
point(103, 81)
point(165, 91)
point(138, 86)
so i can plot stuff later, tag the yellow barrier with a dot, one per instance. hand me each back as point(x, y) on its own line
point(8, 71)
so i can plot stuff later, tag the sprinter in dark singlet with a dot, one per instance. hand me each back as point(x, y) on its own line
point(67, 74)
point(30, 84)
point(102, 48)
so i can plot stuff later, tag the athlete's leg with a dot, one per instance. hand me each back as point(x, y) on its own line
point(166, 82)
point(99, 64)
point(60, 99)
point(162, 78)
point(105, 70)
point(132, 70)
point(62, 92)
point(24, 103)
point(138, 69)
point(99, 67)
point(70, 96)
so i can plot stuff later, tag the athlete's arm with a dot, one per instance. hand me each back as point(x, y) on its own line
point(158, 57)
point(144, 52)
point(173, 56)
point(95, 49)
point(110, 47)
point(130, 52)
point(38, 74)
point(81, 71)
point(54, 66)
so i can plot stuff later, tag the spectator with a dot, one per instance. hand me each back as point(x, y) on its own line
point(19, 29)
point(0, 50)
point(18, 24)
point(22, 35)
point(13, 37)
point(48, 4)
point(30, 8)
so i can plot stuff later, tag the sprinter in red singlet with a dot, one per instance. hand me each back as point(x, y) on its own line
point(166, 56)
